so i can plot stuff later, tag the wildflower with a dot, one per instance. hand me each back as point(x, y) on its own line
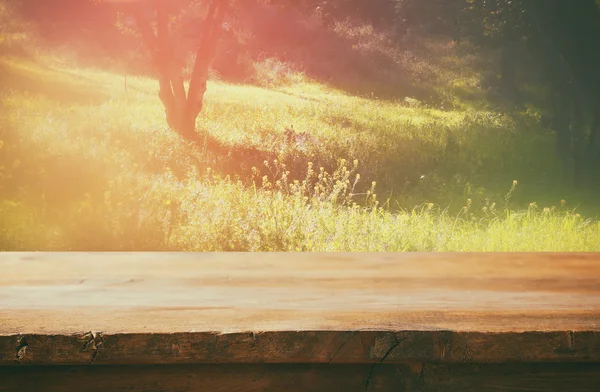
point(429, 206)
point(515, 182)
point(546, 210)
point(563, 202)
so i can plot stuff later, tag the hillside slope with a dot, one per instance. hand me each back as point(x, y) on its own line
point(86, 167)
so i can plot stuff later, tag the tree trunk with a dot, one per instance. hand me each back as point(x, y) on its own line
point(181, 109)
point(508, 73)
point(204, 56)
point(594, 140)
point(562, 127)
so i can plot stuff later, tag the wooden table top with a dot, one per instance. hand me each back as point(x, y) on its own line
point(293, 307)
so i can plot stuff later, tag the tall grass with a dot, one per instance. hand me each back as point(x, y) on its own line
point(83, 168)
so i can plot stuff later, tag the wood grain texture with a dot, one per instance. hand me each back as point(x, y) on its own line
point(326, 347)
point(305, 378)
point(359, 308)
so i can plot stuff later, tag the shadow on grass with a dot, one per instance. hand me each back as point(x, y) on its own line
point(237, 161)
point(299, 96)
point(415, 171)
point(359, 63)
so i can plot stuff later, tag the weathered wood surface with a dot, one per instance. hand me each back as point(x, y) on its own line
point(186, 308)
point(554, 377)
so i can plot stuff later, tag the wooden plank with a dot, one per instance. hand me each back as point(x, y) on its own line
point(300, 347)
point(188, 308)
point(511, 377)
point(305, 378)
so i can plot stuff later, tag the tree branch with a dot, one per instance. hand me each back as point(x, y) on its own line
point(205, 53)
point(145, 27)
point(172, 88)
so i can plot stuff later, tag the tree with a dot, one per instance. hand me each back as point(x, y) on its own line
point(563, 38)
point(154, 20)
point(566, 40)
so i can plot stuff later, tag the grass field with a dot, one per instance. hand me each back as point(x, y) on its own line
point(85, 165)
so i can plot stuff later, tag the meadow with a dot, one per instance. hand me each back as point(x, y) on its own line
point(284, 162)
